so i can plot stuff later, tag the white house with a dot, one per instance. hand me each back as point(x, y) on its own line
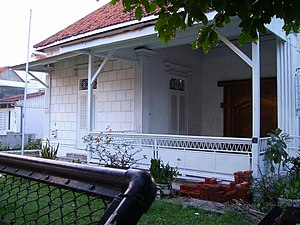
point(109, 69)
point(11, 109)
point(11, 106)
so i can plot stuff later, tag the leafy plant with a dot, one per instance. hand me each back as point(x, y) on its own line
point(48, 151)
point(289, 186)
point(179, 15)
point(295, 161)
point(272, 187)
point(162, 173)
point(4, 147)
point(33, 144)
point(276, 152)
point(112, 152)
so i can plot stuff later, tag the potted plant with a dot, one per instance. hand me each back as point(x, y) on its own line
point(163, 175)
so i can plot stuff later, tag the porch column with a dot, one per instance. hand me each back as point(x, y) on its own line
point(255, 107)
point(286, 69)
point(89, 109)
point(143, 93)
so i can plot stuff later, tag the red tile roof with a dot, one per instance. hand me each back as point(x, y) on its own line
point(105, 16)
point(21, 97)
point(3, 69)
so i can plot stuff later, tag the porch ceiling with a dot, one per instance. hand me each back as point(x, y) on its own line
point(124, 44)
point(145, 37)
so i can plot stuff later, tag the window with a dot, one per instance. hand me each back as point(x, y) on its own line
point(83, 84)
point(176, 84)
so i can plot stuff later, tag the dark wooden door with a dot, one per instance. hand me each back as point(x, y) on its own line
point(237, 105)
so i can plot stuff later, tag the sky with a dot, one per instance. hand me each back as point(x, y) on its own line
point(47, 18)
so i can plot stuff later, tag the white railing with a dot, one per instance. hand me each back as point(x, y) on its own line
point(194, 156)
point(293, 145)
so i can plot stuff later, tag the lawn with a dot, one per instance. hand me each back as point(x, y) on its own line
point(28, 202)
point(163, 212)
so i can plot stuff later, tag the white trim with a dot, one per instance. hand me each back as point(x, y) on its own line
point(172, 69)
point(241, 54)
point(275, 26)
point(101, 30)
point(127, 39)
point(108, 56)
point(109, 40)
point(12, 83)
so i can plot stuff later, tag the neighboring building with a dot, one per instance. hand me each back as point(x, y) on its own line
point(109, 69)
point(11, 110)
point(10, 83)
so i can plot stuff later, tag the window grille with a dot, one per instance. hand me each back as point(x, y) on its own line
point(83, 84)
point(176, 84)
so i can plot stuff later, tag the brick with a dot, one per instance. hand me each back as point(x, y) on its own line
point(126, 84)
point(112, 76)
point(116, 85)
point(121, 74)
point(117, 65)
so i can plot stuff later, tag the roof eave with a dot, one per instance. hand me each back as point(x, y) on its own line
point(98, 31)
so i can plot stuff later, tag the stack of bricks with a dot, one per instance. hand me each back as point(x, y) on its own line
point(211, 190)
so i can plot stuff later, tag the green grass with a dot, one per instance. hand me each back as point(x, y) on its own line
point(162, 212)
point(27, 202)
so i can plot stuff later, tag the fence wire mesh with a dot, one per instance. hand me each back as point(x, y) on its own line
point(24, 201)
point(40, 191)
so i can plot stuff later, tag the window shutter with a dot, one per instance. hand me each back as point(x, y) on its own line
point(83, 110)
point(3, 121)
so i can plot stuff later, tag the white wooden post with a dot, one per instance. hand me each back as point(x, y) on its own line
point(255, 107)
point(144, 88)
point(89, 118)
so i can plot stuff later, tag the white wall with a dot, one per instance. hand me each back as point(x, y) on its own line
point(185, 56)
point(35, 115)
point(223, 64)
point(204, 96)
point(115, 97)
point(114, 100)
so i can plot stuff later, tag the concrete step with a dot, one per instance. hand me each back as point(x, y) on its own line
point(72, 157)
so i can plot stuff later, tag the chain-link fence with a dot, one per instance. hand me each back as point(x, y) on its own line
point(38, 191)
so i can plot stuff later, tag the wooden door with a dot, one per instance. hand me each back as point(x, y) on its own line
point(237, 105)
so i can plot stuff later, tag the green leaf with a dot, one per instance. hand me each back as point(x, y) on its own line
point(138, 13)
point(113, 2)
point(242, 38)
point(153, 6)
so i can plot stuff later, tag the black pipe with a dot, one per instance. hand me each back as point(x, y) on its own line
point(138, 189)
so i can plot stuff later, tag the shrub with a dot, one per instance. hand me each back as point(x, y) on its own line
point(111, 152)
point(162, 173)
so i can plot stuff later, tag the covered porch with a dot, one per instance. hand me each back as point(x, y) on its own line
point(167, 98)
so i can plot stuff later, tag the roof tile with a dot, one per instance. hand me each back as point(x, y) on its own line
point(105, 16)
point(21, 97)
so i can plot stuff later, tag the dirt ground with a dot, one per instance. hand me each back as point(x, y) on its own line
point(206, 205)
